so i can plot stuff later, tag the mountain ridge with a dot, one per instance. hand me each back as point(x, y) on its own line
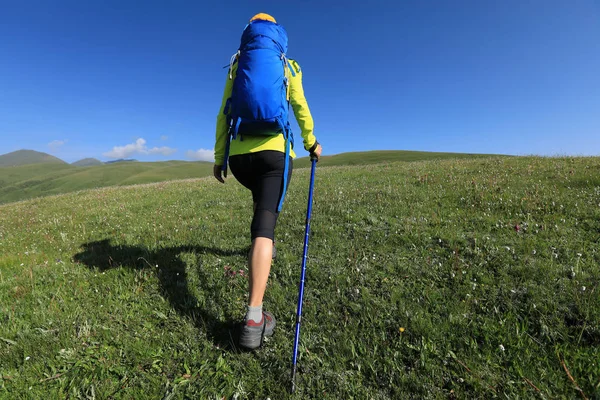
point(26, 157)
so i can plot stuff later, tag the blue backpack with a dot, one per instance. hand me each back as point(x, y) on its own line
point(259, 102)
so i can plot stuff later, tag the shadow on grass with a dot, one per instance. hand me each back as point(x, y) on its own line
point(172, 277)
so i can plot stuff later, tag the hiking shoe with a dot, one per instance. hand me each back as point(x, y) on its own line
point(253, 333)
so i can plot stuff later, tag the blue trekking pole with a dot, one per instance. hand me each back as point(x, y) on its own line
point(303, 273)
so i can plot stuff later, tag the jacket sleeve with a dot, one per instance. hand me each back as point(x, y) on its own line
point(222, 128)
point(300, 107)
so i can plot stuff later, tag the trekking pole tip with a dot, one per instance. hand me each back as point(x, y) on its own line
point(293, 386)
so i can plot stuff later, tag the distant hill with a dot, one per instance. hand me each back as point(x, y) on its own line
point(87, 162)
point(27, 181)
point(120, 160)
point(25, 157)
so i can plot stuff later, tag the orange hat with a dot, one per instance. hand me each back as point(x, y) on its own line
point(264, 17)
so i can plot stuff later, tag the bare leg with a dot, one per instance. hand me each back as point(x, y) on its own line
point(259, 266)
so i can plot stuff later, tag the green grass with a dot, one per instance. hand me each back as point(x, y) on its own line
point(43, 179)
point(381, 156)
point(29, 181)
point(418, 286)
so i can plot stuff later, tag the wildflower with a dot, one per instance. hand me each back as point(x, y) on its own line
point(401, 329)
point(501, 348)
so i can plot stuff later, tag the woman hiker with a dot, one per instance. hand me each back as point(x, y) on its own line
point(257, 143)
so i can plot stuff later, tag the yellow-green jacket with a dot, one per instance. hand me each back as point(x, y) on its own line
point(252, 144)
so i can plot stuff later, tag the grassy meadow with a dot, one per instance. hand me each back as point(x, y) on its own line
point(35, 180)
point(442, 279)
point(385, 156)
point(44, 178)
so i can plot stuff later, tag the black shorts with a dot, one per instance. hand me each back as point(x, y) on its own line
point(262, 173)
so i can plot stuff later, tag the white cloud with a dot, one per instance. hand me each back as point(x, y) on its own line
point(127, 150)
point(139, 147)
point(201, 155)
point(56, 144)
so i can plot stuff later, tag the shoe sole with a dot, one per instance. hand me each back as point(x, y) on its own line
point(251, 343)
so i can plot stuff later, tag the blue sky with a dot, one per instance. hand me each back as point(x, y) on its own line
point(144, 79)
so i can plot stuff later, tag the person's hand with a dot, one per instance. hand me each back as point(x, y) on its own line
point(317, 153)
point(217, 171)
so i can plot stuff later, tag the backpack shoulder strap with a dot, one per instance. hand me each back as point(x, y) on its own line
point(294, 66)
point(232, 62)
